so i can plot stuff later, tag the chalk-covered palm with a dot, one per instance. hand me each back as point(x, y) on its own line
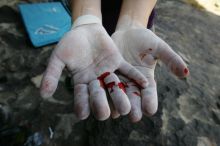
point(142, 48)
point(91, 56)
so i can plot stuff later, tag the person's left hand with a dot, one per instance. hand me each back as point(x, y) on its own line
point(142, 48)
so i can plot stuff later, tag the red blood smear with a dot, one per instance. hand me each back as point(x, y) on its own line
point(136, 93)
point(121, 86)
point(103, 76)
point(186, 70)
point(125, 85)
point(102, 84)
point(110, 85)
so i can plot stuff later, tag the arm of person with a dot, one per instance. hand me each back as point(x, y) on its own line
point(135, 13)
point(142, 48)
point(86, 7)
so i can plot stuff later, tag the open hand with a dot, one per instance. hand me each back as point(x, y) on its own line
point(142, 48)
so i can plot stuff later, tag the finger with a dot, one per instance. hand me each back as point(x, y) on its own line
point(149, 102)
point(51, 76)
point(132, 73)
point(114, 113)
point(173, 61)
point(98, 100)
point(117, 93)
point(81, 101)
point(133, 94)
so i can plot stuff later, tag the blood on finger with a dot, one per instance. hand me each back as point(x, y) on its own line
point(102, 84)
point(186, 71)
point(121, 86)
point(102, 77)
point(110, 85)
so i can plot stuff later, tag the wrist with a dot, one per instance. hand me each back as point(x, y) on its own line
point(86, 7)
point(88, 11)
point(85, 20)
point(135, 14)
point(127, 22)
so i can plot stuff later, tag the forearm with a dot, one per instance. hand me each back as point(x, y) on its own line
point(86, 7)
point(135, 13)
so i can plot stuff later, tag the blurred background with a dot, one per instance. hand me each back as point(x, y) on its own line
point(189, 110)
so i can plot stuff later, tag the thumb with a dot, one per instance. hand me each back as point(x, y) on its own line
point(51, 76)
point(172, 60)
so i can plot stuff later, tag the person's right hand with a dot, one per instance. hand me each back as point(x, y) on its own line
point(91, 56)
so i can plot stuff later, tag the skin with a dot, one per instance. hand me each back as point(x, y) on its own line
point(92, 57)
point(142, 48)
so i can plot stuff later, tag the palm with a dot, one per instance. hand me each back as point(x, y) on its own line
point(88, 54)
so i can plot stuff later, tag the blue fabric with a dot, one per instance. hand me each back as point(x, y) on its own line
point(45, 22)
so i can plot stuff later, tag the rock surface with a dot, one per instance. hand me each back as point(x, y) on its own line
point(189, 110)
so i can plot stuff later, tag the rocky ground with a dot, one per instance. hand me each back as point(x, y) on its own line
point(189, 110)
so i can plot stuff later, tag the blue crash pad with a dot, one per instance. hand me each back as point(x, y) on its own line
point(45, 22)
